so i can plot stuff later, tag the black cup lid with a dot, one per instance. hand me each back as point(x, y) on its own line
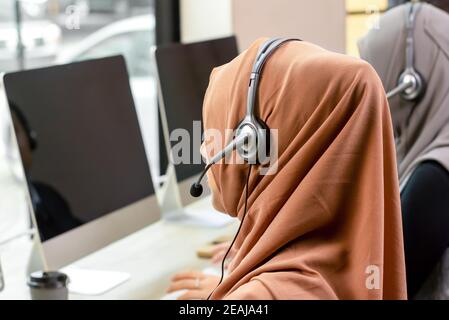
point(47, 280)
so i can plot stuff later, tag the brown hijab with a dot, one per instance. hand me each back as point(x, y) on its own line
point(422, 129)
point(331, 213)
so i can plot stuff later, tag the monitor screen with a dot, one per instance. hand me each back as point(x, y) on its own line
point(80, 141)
point(184, 71)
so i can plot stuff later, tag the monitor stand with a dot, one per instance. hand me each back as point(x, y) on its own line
point(198, 214)
point(81, 281)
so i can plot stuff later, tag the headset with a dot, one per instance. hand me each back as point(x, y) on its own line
point(411, 85)
point(252, 137)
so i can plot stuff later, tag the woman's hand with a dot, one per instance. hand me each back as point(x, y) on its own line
point(198, 284)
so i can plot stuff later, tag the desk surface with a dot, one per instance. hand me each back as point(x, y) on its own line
point(151, 256)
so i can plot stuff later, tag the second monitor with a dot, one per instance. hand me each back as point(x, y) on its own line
point(184, 71)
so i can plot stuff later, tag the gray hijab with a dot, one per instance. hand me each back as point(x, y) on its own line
point(422, 128)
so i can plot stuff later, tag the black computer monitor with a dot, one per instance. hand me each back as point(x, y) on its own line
point(184, 71)
point(83, 155)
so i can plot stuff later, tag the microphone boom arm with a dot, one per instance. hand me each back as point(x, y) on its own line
point(239, 141)
point(399, 89)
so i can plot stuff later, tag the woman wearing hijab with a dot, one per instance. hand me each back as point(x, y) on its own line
point(327, 223)
point(421, 130)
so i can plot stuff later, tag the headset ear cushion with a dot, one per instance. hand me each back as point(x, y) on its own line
point(239, 124)
point(418, 94)
point(267, 135)
point(263, 133)
point(422, 91)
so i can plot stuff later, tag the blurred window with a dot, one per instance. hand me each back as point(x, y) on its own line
point(362, 15)
point(65, 31)
point(62, 31)
point(135, 46)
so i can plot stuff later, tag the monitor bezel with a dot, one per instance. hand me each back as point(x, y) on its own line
point(77, 243)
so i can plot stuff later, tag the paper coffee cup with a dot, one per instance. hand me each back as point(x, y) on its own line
point(50, 285)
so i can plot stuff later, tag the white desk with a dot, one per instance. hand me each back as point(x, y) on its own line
point(151, 256)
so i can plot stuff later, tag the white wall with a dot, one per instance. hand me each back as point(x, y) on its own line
point(205, 19)
point(318, 21)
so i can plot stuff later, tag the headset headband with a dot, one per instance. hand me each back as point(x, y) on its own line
point(265, 51)
point(251, 140)
point(410, 50)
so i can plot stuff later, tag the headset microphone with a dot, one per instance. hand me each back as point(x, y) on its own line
point(196, 190)
point(252, 139)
